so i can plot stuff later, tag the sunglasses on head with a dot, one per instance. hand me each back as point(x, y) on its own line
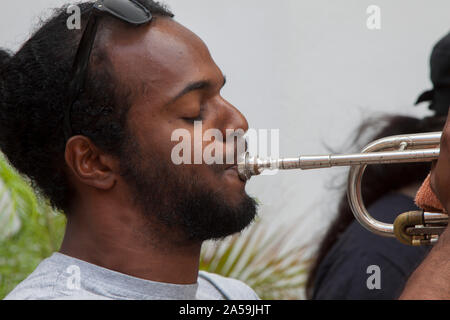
point(129, 11)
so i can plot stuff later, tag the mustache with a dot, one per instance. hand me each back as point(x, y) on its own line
point(218, 153)
point(230, 158)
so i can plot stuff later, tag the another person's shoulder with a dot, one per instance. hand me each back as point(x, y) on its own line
point(213, 286)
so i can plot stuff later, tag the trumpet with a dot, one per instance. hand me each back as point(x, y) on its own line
point(412, 228)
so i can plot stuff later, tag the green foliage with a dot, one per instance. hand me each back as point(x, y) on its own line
point(256, 257)
point(40, 233)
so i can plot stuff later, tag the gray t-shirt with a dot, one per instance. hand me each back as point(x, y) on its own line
point(62, 277)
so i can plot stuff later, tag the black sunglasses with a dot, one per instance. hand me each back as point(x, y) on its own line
point(129, 11)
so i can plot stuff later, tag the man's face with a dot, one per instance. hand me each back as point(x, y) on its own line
point(440, 172)
point(175, 82)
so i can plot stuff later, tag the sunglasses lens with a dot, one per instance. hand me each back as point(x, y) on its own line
point(127, 10)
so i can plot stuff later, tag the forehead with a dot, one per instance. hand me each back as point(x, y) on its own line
point(163, 57)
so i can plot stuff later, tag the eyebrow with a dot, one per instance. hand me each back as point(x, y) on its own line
point(197, 85)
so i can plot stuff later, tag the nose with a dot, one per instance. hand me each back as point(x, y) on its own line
point(232, 118)
point(233, 125)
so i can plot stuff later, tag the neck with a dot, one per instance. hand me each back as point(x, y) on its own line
point(120, 240)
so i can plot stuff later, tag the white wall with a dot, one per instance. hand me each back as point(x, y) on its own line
point(310, 68)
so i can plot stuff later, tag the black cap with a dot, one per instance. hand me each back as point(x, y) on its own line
point(439, 96)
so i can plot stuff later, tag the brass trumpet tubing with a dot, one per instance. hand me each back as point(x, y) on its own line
point(421, 147)
point(412, 141)
point(419, 228)
point(435, 218)
point(356, 173)
point(315, 162)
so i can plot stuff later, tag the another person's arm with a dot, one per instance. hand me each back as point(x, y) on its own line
point(431, 280)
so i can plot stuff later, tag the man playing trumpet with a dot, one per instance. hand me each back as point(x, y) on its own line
point(96, 141)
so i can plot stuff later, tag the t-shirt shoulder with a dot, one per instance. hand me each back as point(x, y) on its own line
point(51, 281)
point(228, 288)
point(38, 285)
point(48, 282)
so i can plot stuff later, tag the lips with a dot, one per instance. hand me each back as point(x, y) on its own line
point(232, 169)
point(233, 172)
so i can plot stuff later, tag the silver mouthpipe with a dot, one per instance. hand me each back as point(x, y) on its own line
point(251, 166)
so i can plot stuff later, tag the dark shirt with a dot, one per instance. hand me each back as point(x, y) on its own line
point(343, 272)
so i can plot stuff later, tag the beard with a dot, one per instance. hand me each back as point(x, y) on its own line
point(179, 199)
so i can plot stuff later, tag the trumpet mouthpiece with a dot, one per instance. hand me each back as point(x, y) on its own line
point(247, 167)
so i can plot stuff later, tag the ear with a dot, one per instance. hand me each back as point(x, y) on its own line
point(89, 165)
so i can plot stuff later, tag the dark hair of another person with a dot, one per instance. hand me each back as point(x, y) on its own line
point(378, 180)
point(33, 90)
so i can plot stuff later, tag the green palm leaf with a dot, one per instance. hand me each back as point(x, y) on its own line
point(30, 230)
point(256, 257)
